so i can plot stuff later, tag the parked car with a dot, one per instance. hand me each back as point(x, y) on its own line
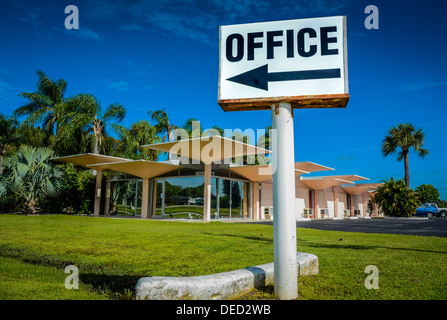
point(441, 211)
point(426, 210)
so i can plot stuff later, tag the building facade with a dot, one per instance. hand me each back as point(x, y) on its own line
point(202, 184)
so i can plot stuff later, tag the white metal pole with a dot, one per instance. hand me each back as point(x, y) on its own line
point(284, 222)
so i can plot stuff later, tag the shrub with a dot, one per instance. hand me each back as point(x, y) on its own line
point(29, 178)
point(396, 199)
point(76, 190)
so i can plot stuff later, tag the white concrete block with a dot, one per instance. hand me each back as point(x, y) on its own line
point(220, 286)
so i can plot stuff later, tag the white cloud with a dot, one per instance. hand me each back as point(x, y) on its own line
point(84, 33)
point(119, 86)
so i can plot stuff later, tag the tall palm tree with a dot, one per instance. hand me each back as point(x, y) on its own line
point(89, 117)
point(46, 106)
point(403, 137)
point(193, 127)
point(163, 125)
point(139, 134)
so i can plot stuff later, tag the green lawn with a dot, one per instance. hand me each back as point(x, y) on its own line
point(111, 254)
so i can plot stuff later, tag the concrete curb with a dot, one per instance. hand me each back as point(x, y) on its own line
point(221, 286)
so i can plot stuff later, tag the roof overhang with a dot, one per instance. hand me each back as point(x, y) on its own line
point(139, 168)
point(358, 189)
point(319, 183)
point(307, 167)
point(348, 177)
point(210, 149)
point(87, 159)
point(258, 173)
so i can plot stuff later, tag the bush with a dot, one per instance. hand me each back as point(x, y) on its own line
point(30, 178)
point(77, 189)
point(395, 199)
point(427, 193)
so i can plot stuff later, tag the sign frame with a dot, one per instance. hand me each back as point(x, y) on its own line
point(298, 101)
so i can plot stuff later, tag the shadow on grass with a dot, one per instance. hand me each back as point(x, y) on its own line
point(105, 281)
point(360, 247)
point(256, 238)
point(115, 287)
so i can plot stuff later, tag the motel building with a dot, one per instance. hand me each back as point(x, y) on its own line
point(205, 182)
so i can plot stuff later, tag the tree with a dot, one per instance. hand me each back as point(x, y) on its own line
point(46, 106)
point(163, 125)
point(139, 134)
point(9, 137)
point(193, 127)
point(427, 193)
point(88, 116)
point(404, 137)
point(77, 189)
point(30, 177)
point(396, 199)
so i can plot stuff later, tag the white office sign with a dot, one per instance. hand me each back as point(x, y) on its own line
point(294, 61)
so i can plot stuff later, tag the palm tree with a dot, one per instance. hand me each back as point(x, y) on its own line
point(46, 106)
point(405, 137)
point(30, 177)
point(139, 134)
point(163, 125)
point(89, 117)
point(193, 127)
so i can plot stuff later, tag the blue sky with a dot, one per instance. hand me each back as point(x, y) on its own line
point(165, 54)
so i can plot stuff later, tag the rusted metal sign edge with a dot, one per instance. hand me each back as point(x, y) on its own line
point(298, 102)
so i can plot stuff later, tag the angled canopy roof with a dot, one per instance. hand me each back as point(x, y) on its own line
point(308, 166)
point(358, 189)
point(349, 177)
point(264, 172)
point(255, 173)
point(375, 184)
point(319, 183)
point(138, 168)
point(88, 159)
point(208, 149)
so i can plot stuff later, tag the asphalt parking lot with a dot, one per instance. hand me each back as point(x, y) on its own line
point(436, 227)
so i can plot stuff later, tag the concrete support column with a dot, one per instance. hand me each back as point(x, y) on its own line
point(144, 198)
point(207, 194)
point(364, 204)
point(154, 199)
point(317, 205)
point(335, 189)
point(245, 201)
point(352, 205)
point(97, 193)
point(107, 201)
point(256, 201)
point(284, 221)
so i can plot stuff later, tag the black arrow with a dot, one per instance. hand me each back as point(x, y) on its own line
point(260, 77)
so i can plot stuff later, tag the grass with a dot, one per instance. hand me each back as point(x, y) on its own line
point(112, 254)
